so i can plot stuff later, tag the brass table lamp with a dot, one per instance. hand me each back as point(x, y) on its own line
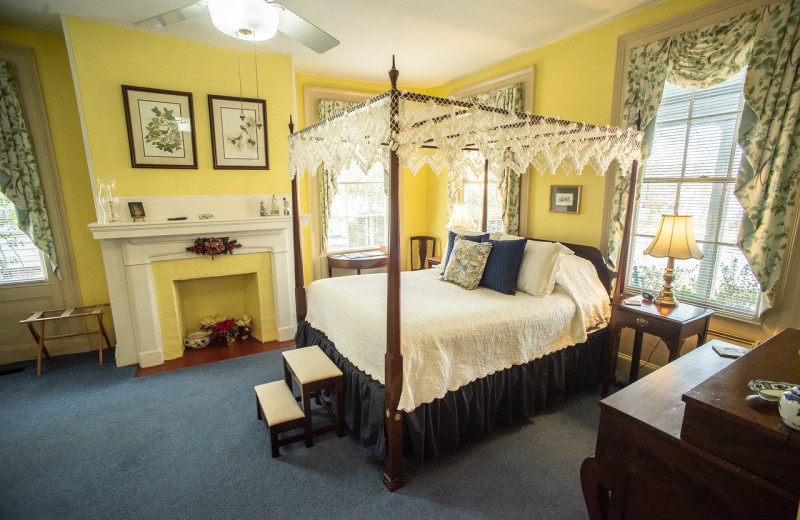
point(674, 239)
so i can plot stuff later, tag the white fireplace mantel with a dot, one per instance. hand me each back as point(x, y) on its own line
point(129, 248)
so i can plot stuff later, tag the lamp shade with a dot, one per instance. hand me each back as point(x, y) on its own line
point(674, 239)
point(251, 20)
point(460, 217)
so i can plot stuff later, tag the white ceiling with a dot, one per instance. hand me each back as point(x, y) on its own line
point(434, 40)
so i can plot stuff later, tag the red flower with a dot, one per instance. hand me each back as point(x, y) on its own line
point(224, 328)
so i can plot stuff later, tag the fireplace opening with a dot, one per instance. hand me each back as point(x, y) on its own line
point(230, 296)
point(191, 290)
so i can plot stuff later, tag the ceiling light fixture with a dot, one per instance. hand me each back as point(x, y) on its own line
point(251, 20)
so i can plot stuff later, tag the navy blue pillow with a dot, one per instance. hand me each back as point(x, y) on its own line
point(502, 267)
point(451, 239)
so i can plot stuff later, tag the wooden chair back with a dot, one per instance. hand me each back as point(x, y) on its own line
point(422, 250)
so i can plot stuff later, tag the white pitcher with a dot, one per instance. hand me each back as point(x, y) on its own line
point(789, 408)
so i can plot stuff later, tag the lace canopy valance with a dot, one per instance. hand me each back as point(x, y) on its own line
point(445, 133)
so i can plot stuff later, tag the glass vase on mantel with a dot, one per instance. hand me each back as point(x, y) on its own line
point(231, 340)
point(108, 200)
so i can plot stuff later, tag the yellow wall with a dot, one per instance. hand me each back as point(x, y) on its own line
point(55, 79)
point(106, 57)
point(574, 79)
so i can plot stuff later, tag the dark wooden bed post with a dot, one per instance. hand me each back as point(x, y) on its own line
point(622, 263)
point(299, 282)
point(609, 358)
point(393, 419)
point(485, 211)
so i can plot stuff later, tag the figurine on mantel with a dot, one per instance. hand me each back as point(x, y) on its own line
point(274, 210)
point(285, 206)
point(262, 210)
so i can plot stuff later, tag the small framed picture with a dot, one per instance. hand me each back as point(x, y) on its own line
point(160, 127)
point(565, 199)
point(137, 211)
point(238, 133)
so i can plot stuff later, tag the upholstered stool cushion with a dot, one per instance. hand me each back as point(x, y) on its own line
point(310, 364)
point(278, 403)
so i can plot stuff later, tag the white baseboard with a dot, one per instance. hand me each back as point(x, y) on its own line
point(624, 367)
point(150, 358)
point(286, 333)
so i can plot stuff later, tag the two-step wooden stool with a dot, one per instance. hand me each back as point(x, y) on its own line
point(43, 317)
point(313, 372)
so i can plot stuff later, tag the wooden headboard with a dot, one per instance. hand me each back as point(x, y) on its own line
point(593, 255)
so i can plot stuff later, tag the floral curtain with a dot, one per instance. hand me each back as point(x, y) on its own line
point(511, 97)
point(764, 40)
point(327, 179)
point(19, 175)
point(770, 138)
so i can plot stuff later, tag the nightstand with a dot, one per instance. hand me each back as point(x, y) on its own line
point(672, 324)
point(433, 261)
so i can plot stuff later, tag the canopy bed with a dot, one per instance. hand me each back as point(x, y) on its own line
point(424, 395)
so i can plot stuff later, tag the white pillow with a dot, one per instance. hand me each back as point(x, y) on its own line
point(539, 267)
point(497, 235)
point(458, 231)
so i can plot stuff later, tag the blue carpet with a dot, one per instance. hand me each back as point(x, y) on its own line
point(85, 441)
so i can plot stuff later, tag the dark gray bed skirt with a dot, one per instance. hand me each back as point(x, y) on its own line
point(470, 412)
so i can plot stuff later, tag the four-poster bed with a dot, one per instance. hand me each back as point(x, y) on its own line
point(397, 128)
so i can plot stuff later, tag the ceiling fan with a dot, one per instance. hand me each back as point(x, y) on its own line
point(252, 20)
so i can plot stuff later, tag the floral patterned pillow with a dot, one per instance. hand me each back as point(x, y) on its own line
point(467, 262)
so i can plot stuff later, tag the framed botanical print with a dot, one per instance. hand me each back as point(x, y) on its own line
point(238, 133)
point(565, 199)
point(160, 127)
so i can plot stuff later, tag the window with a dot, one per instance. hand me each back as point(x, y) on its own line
point(358, 211)
point(20, 260)
point(692, 171)
point(473, 196)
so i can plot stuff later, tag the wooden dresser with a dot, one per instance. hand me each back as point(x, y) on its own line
point(689, 441)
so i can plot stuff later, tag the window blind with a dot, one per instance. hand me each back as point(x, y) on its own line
point(358, 211)
point(473, 196)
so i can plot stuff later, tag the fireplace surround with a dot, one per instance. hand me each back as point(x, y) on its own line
point(130, 248)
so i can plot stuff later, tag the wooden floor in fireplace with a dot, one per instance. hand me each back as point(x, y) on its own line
point(214, 352)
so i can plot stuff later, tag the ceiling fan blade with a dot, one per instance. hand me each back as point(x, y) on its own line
point(174, 16)
point(305, 32)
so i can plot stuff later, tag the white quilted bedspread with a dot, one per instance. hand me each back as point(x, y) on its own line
point(451, 336)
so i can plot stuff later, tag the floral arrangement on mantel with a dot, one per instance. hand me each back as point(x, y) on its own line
point(213, 246)
point(224, 328)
